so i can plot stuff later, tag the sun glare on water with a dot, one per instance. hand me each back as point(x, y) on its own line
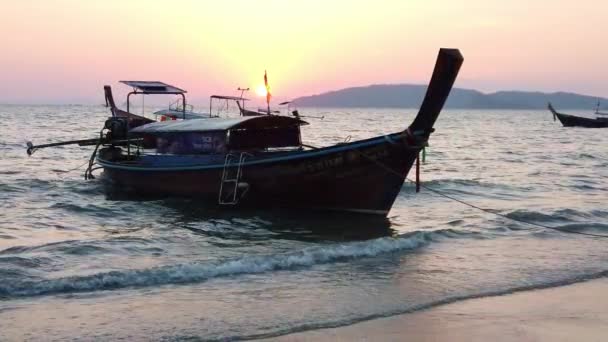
point(260, 90)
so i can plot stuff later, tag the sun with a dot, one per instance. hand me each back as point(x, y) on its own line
point(260, 90)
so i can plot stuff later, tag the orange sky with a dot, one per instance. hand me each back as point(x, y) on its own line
point(64, 51)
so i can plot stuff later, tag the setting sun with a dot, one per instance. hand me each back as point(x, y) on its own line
point(260, 90)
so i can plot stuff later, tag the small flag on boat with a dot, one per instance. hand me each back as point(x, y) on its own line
point(268, 95)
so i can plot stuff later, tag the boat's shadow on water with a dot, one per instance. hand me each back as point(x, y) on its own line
point(280, 223)
point(292, 224)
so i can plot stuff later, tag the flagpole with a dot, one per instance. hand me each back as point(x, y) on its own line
point(268, 104)
point(267, 92)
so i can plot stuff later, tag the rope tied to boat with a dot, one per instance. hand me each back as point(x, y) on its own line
point(493, 212)
point(88, 173)
point(424, 153)
point(418, 172)
point(417, 140)
point(489, 211)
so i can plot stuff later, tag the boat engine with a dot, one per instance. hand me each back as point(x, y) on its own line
point(117, 128)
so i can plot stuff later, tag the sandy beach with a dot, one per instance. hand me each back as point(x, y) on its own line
point(577, 312)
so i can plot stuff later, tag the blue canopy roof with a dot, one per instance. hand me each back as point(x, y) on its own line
point(154, 87)
point(220, 124)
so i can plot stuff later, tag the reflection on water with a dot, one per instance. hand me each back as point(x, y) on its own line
point(282, 223)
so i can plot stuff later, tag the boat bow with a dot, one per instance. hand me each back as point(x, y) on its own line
point(444, 75)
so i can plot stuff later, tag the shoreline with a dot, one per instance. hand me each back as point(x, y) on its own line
point(576, 311)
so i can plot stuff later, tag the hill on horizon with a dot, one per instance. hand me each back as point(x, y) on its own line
point(411, 95)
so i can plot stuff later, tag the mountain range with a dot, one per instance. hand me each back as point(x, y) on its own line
point(411, 95)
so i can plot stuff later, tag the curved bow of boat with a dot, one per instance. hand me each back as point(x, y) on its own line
point(552, 110)
point(446, 70)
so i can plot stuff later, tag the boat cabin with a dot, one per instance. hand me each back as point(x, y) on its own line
point(222, 135)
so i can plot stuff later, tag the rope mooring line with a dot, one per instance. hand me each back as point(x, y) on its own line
point(489, 211)
point(74, 169)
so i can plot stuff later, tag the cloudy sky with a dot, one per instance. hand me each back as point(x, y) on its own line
point(64, 51)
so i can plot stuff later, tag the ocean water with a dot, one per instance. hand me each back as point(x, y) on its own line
point(75, 264)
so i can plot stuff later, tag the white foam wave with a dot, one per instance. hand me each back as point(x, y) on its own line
point(198, 272)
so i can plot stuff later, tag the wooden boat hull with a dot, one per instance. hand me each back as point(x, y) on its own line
point(577, 121)
point(568, 120)
point(364, 176)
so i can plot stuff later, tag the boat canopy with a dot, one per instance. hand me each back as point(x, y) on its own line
point(177, 113)
point(225, 97)
point(153, 87)
point(220, 124)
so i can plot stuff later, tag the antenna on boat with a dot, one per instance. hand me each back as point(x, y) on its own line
point(242, 90)
point(597, 108)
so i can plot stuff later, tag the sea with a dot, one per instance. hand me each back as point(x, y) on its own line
point(79, 264)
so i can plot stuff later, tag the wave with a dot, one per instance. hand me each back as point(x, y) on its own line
point(8, 145)
point(10, 172)
point(586, 156)
point(86, 208)
point(200, 272)
point(44, 247)
point(472, 187)
point(459, 182)
point(599, 213)
point(81, 247)
point(24, 262)
point(444, 301)
point(535, 216)
point(6, 188)
point(34, 183)
point(583, 226)
point(566, 219)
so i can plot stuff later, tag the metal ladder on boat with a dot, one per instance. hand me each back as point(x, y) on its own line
point(231, 176)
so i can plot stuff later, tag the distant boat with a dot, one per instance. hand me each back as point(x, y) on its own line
point(261, 161)
point(569, 120)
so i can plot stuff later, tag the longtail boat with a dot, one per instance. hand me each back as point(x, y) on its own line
point(569, 120)
point(261, 161)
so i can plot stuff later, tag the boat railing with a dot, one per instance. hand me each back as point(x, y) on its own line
point(178, 105)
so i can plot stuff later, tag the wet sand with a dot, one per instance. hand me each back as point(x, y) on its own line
point(577, 312)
